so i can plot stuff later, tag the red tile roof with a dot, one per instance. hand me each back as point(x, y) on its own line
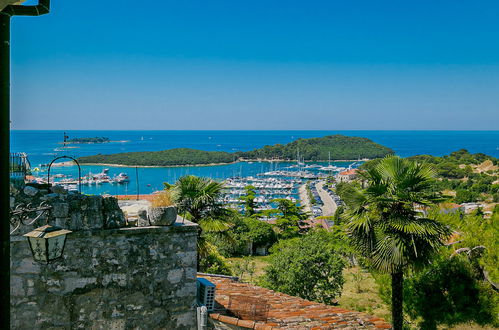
point(134, 197)
point(349, 172)
point(450, 206)
point(284, 311)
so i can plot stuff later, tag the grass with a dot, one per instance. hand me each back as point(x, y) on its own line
point(360, 293)
point(260, 263)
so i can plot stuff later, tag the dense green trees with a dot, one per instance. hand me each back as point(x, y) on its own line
point(290, 218)
point(249, 200)
point(339, 147)
point(243, 233)
point(309, 267)
point(385, 227)
point(89, 140)
point(455, 172)
point(172, 157)
point(448, 292)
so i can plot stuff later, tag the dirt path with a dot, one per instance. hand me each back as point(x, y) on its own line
point(304, 198)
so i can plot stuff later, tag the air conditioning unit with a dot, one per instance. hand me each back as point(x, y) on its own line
point(206, 294)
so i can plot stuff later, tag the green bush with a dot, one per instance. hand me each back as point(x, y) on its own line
point(309, 267)
point(450, 292)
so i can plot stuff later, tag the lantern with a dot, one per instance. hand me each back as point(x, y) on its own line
point(47, 242)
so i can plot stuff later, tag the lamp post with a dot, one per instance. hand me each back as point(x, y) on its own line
point(6, 13)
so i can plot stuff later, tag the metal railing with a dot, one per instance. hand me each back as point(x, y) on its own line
point(19, 165)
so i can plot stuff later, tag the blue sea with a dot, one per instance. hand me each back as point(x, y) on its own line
point(44, 146)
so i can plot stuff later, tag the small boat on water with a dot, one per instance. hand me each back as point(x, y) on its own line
point(122, 178)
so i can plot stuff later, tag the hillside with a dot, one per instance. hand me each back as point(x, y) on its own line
point(339, 146)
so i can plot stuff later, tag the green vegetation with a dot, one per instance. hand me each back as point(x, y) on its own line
point(450, 292)
point(249, 200)
point(309, 267)
point(89, 140)
point(476, 230)
point(172, 157)
point(340, 147)
point(196, 198)
point(385, 228)
point(470, 177)
point(394, 252)
point(314, 149)
point(289, 222)
point(311, 197)
point(244, 236)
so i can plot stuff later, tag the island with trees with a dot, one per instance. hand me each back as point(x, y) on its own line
point(97, 139)
point(171, 157)
point(333, 147)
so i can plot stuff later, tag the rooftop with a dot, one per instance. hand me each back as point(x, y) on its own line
point(349, 172)
point(281, 310)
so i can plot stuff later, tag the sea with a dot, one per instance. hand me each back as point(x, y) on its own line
point(42, 146)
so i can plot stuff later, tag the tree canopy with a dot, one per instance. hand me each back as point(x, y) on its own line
point(309, 267)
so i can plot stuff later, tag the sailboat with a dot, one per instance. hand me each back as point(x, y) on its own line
point(298, 161)
point(329, 167)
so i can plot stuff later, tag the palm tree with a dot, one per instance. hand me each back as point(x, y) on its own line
point(388, 224)
point(198, 197)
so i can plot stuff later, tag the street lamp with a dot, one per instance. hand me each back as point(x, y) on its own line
point(7, 10)
point(47, 242)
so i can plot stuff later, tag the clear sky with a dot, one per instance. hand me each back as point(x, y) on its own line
point(259, 64)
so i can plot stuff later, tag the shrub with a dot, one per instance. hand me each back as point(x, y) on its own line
point(309, 267)
point(163, 199)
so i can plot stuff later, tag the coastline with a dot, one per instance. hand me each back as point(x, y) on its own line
point(211, 164)
point(153, 166)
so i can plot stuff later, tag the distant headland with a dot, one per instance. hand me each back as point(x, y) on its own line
point(332, 147)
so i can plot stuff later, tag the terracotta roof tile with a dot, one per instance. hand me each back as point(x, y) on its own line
point(274, 310)
point(246, 324)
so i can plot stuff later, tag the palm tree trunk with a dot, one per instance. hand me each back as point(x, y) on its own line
point(397, 300)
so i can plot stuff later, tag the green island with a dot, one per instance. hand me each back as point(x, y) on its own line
point(333, 147)
point(96, 139)
point(171, 157)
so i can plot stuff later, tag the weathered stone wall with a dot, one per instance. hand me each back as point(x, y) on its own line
point(70, 210)
point(109, 277)
point(140, 278)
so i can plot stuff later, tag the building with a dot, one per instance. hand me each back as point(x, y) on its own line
point(347, 176)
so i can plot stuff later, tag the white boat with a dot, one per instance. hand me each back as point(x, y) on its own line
point(329, 167)
point(122, 178)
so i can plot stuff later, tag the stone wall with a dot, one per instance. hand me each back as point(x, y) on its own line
point(70, 210)
point(108, 278)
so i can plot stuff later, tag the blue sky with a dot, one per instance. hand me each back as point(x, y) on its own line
point(328, 65)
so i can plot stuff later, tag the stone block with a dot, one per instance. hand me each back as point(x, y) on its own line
point(71, 284)
point(30, 191)
point(60, 210)
point(56, 189)
point(16, 286)
point(162, 216)
point(28, 266)
point(175, 275)
point(142, 220)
